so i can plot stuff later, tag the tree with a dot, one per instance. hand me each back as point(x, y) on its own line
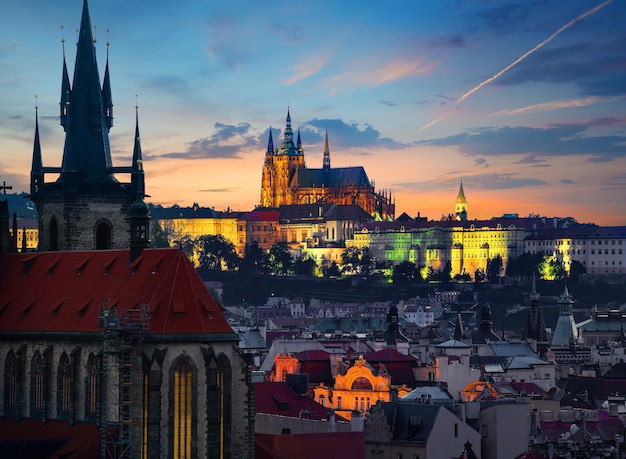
point(213, 252)
point(304, 266)
point(159, 237)
point(576, 269)
point(405, 272)
point(255, 259)
point(332, 271)
point(494, 268)
point(552, 269)
point(357, 261)
point(280, 258)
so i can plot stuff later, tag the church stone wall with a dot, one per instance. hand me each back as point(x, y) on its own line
point(78, 217)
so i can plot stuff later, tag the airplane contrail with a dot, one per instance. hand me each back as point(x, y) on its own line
point(528, 53)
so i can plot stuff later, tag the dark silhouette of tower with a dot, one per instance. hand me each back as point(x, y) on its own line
point(85, 207)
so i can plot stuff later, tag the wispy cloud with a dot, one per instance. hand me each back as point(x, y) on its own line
point(307, 68)
point(556, 105)
point(364, 75)
point(556, 140)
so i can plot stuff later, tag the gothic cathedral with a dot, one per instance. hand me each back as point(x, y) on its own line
point(286, 180)
point(86, 207)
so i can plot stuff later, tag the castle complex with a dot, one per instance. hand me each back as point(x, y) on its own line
point(286, 180)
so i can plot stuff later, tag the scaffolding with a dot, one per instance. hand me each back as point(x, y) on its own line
point(122, 368)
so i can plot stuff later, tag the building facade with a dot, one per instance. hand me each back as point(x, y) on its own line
point(286, 180)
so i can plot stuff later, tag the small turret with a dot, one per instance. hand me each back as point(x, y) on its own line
point(107, 98)
point(139, 211)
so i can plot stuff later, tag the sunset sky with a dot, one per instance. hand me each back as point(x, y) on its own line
point(524, 101)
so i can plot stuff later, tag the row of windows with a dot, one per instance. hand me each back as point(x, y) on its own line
point(183, 390)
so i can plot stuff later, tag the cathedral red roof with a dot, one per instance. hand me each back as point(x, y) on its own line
point(65, 292)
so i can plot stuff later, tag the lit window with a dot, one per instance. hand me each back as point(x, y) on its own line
point(182, 411)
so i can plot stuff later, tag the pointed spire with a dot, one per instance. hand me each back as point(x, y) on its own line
point(461, 196)
point(137, 175)
point(299, 142)
point(87, 153)
point(107, 99)
point(36, 170)
point(66, 93)
point(326, 163)
point(270, 144)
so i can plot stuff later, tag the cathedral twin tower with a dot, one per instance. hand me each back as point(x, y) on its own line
point(286, 180)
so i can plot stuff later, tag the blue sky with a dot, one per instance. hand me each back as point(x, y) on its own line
point(522, 101)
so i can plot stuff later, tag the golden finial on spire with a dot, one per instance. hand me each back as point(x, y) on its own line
point(95, 35)
point(77, 34)
point(136, 101)
point(36, 102)
point(108, 43)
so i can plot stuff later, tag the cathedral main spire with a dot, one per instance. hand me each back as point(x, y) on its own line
point(87, 153)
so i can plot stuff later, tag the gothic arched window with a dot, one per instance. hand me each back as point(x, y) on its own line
point(219, 416)
point(92, 388)
point(64, 388)
point(38, 387)
point(183, 416)
point(12, 387)
point(103, 235)
point(54, 234)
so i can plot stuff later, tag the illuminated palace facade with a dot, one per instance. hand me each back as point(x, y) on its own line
point(287, 180)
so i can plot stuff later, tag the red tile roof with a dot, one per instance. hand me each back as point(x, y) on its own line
point(329, 445)
point(277, 398)
point(65, 292)
point(55, 439)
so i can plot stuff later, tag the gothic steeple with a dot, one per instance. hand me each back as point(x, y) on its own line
point(139, 212)
point(288, 147)
point(66, 94)
point(270, 144)
point(87, 154)
point(107, 99)
point(137, 175)
point(460, 208)
point(36, 171)
point(326, 164)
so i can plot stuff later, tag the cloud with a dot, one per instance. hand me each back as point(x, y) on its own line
point(309, 67)
point(228, 141)
point(556, 140)
point(448, 41)
point(371, 74)
point(567, 181)
point(345, 135)
point(293, 34)
point(597, 68)
point(557, 104)
point(502, 181)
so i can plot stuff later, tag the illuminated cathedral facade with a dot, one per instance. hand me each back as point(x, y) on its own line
point(287, 180)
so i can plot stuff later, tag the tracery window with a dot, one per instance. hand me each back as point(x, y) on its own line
point(38, 382)
point(11, 385)
point(92, 388)
point(64, 388)
point(183, 413)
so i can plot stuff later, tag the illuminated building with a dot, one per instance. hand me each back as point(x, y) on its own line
point(601, 250)
point(286, 180)
point(466, 245)
point(357, 388)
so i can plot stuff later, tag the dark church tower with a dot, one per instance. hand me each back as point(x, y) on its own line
point(85, 207)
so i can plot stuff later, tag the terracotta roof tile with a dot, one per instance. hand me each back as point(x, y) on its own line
point(65, 292)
